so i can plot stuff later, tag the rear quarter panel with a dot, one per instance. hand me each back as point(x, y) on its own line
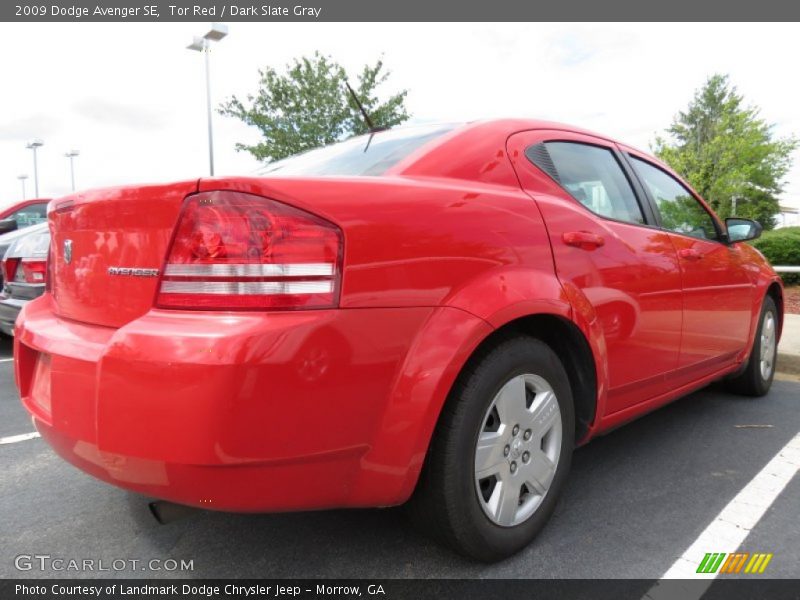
point(478, 253)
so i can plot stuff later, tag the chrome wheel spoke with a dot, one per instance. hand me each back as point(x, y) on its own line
point(535, 486)
point(540, 472)
point(543, 412)
point(511, 401)
point(504, 502)
point(489, 454)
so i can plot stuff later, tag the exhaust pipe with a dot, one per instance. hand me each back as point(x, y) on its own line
point(167, 512)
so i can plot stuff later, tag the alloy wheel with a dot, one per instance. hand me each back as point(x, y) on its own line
point(768, 345)
point(518, 449)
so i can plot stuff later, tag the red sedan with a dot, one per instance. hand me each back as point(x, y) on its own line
point(439, 313)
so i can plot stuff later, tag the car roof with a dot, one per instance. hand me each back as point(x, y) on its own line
point(462, 153)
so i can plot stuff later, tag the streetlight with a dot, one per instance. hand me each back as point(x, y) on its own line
point(33, 145)
point(22, 179)
point(203, 44)
point(71, 156)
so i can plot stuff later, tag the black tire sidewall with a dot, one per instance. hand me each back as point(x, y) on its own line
point(515, 357)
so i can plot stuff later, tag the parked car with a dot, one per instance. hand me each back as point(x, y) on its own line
point(14, 219)
point(24, 270)
point(439, 313)
point(26, 213)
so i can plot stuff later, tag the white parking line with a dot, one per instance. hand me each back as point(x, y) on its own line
point(731, 526)
point(6, 359)
point(13, 439)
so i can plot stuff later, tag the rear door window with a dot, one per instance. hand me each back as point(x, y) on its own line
point(592, 175)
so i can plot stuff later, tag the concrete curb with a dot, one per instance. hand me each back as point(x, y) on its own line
point(789, 348)
point(788, 364)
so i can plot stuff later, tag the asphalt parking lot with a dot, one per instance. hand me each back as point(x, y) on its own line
point(637, 498)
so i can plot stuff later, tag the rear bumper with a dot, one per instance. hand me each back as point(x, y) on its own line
point(238, 411)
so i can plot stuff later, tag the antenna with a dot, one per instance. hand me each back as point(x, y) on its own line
point(370, 124)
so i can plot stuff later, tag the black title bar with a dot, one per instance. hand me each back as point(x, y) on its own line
point(405, 10)
point(397, 589)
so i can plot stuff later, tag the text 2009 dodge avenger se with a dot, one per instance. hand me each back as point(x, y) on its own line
point(437, 313)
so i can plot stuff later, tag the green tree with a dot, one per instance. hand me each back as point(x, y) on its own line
point(728, 153)
point(308, 106)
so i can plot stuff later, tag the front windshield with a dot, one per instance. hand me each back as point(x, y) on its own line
point(371, 154)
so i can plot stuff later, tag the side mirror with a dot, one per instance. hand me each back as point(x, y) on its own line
point(7, 225)
point(741, 230)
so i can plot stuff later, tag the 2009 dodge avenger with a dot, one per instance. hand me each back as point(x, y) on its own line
point(439, 313)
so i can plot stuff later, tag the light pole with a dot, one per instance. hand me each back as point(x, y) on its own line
point(22, 179)
point(33, 145)
point(203, 44)
point(71, 156)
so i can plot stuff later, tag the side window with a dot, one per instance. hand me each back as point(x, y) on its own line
point(680, 211)
point(592, 175)
point(30, 215)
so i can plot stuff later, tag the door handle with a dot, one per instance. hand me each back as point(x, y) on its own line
point(584, 240)
point(689, 254)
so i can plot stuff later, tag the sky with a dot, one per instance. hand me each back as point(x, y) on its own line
point(131, 98)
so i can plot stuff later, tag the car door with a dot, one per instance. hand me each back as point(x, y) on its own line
point(718, 289)
point(611, 259)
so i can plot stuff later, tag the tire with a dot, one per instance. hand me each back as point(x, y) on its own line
point(756, 378)
point(473, 512)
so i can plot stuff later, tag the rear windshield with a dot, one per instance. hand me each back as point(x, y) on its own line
point(34, 244)
point(363, 155)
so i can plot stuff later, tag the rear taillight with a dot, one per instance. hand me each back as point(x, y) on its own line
point(233, 250)
point(31, 270)
point(26, 270)
point(10, 269)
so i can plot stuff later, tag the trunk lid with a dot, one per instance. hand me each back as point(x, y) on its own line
point(107, 249)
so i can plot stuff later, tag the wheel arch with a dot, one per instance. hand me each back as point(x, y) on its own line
point(506, 302)
point(770, 288)
point(444, 349)
point(569, 343)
